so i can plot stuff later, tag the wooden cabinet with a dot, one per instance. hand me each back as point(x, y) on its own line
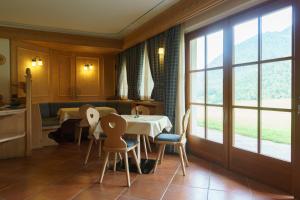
point(13, 137)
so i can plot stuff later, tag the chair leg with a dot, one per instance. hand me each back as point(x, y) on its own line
point(184, 155)
point(115, 162)
point(89, 151)
point(104, 167)
point(100, 148)
point(158, 157)
point(136, 161)
point(181, 159)
point(120, 156)
point(148, 143)
point(145, 146)
point(76, 134)
point(79, 136)
point(162, 154)
point(127, 169)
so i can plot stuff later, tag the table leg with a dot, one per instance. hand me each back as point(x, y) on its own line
point(138, 137)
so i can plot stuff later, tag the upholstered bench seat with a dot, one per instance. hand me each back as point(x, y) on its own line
point(130, 142)
point(50, 121)
point(168, 137)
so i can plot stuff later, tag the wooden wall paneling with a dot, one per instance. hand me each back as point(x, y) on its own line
point(88, 82)
point(109, 79)
point(41, 85)
point(34, 35)
point(61, 67)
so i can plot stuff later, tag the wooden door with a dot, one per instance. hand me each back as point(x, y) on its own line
point(63, 76)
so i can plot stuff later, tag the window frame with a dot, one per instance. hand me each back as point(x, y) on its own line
point(204, 33)
point(228, 66)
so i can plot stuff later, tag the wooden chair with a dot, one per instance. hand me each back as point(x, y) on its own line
point(82, 124)
point(178, 140)
point(93, 116)
point(115, 126)
point(142, 110)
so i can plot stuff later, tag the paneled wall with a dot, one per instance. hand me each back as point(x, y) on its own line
point(5, 69)
point(62, 76)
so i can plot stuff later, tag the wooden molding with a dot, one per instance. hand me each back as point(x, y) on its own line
point(33, 35)
point(178, 13)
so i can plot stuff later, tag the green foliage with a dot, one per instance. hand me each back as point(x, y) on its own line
point(275, 135)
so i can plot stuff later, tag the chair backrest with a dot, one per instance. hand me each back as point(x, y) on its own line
point(185, 122)
point(82, 112)
point(142, 110)
point(93, 117)
point(114, 126)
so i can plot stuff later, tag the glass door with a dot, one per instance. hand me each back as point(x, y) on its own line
point(206, 91)
point(262, 84)
point(240, 88)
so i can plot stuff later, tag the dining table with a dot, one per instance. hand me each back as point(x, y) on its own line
point(73, 113)
point(149, 125)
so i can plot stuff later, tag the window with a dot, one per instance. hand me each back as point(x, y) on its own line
point(255, 52)
point(206, 77)
point(147, 80)
point(262, 84)
point(123, 81)
point(147, 83)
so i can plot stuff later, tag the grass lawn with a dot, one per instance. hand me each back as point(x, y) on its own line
point(274, 135)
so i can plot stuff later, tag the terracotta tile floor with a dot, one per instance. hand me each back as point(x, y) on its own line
point(55, 173)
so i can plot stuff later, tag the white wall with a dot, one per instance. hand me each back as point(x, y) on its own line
point(5, 70)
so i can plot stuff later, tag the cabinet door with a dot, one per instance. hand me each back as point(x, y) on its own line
point(62, 77)
point(87, 80)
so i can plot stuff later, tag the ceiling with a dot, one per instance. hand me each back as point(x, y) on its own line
point(104, 18)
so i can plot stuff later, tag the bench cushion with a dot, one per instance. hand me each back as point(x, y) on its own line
point(50, 121)
point(168, 137)
point(131, 142)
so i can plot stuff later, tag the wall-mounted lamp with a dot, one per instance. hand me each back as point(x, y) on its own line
point(161, 51)
point(87, 67)
point(36, 62)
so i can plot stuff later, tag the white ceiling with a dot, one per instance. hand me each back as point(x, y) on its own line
point(106, 18)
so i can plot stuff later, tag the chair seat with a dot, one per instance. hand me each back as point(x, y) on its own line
point(50, 121)
point(131, 142)
point(168, 137)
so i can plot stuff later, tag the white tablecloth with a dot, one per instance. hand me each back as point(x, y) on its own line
point(73, 113)
point(150, 125)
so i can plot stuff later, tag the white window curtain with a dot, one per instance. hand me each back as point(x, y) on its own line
point(147, 80)
point(180, 100)
point(123, 81)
